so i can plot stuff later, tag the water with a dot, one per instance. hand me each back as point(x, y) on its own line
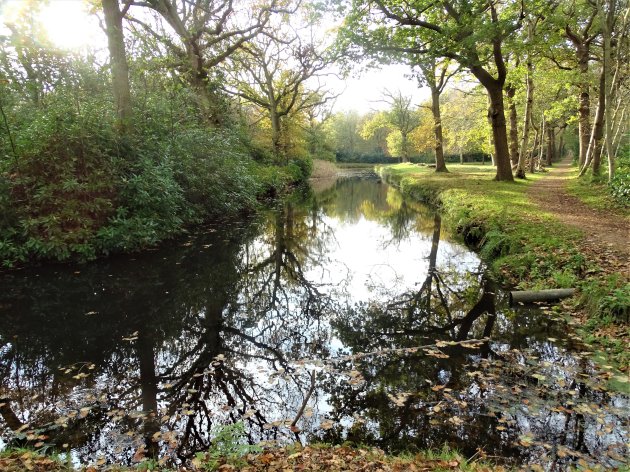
point(345, 316)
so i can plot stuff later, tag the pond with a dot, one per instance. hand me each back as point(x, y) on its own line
point(349, 315)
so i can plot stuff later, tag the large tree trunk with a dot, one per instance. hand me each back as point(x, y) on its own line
point(514, 151)
point(520, 170)
point(440, 165)
point(198, 79)
point(532, 154)
point(543, 127)
point(607, 25)
point(595, 143)
point(275, 131)
point(405, 147)
point(496, 115)
point(584, 124)
point(118, 59)
point(551, 145)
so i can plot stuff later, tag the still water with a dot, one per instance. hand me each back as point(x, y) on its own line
point(349, 315)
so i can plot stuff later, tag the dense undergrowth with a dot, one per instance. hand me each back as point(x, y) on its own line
point(524, 247)
point(73, 186)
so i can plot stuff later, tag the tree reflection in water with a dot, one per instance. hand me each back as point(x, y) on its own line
point(148, 356)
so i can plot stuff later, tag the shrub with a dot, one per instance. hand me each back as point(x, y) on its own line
point(620, 184)
point(228, 446)
point(60, 191)
point(75, 187)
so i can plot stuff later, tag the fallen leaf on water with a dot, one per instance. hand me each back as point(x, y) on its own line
point(327, 424)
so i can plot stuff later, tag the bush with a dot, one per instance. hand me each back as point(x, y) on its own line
point(609, 299)
point(620, 184)
point(301, 169)
point(76, 187)
point(60, 190)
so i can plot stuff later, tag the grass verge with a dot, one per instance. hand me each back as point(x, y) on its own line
point(596, 194)
point(524, 247)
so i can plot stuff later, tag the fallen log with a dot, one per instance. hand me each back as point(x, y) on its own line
point(533, 296)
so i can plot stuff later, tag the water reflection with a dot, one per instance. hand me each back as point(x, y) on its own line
point(341, 316)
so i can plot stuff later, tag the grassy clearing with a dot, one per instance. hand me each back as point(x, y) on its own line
point(525, 247)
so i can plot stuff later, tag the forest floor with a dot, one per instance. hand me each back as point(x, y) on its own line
point(320, 458)
point(606, 232)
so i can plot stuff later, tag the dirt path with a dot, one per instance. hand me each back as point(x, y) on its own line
point(607, 236)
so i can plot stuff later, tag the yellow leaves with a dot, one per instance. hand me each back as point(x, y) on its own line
point(20, 461)
point(456, 420)
point(526, 441)
point(249, 413)
point(62, 421)
point(327, 424)
point(399, 399)
point(436, 353)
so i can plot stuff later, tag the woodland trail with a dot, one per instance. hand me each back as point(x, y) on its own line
point(606, 235)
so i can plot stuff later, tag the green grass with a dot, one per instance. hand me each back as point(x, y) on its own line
point(520, 242)
point(595, 194)
point(525, 247)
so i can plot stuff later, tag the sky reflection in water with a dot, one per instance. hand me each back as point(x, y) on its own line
point(342, 316)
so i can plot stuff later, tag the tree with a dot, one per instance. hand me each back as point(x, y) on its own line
point(344, 129)
point(527, 118)
point(118, 60)
point(471, 33)
point(466, 129)
point(209, 32)
point(436, 76)
point(581, 33)
point(400, 118)
point(272, 73)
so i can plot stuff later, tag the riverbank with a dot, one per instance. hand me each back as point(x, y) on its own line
point(309, 458)
point(140, 212)
point(527, 246)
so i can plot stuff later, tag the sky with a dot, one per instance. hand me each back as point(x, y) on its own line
point(69, 26)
